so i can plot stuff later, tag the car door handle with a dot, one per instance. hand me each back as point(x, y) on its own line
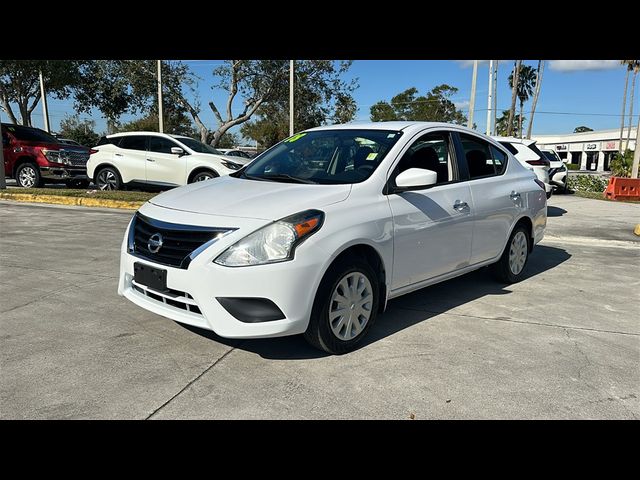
point(150, 160)
point(118, 155)
point(514, 196)
point(460, 206)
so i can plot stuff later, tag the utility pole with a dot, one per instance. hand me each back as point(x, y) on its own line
point(472, 101)
point(495, 94)
point(490, 98)
point(3, 182)
point(636, 153)
point(291, 97)
point(160, 114)
point(45, 112)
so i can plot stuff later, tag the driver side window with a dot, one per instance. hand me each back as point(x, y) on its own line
point(431, 152)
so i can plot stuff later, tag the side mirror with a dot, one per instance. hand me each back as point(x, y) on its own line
point(177, 151)
point(416, 178)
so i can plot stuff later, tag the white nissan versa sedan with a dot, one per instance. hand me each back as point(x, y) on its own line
point(322, 229)
point(151, 158)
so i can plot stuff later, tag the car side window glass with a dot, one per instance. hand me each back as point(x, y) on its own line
point(478, 156)
point(499, 159)
point(430, 152)
point(134, 142)
point(160, 145)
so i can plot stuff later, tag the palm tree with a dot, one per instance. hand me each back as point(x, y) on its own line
point(635, 65)
point(627, 63)
point(502, 124)
point(514, 93)
point(536, 95)
point(524, 88)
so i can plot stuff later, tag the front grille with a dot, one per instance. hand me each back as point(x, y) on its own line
point(172, 298)
point(76, 158)
point(179, 242)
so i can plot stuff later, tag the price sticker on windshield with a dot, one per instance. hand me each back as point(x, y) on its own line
point(295, 137)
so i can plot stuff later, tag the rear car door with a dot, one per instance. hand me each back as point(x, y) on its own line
point(433, 225)
point(496, 201)
point(164, 167)
point(130, 157)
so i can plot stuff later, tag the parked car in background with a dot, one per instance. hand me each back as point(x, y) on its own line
point(33, 157)
point(531, 157)
point(235, 152)
point(317, 233)
point(151, 158)
point(558, 171)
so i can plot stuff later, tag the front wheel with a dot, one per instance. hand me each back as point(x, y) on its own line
point(202, 176)
point(108, 178)
point(345, 307)
point(28, 176)
point(514, 258)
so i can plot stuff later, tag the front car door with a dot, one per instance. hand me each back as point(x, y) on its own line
point(433, 225)
point(130, 157)
point(164, 167)
point(496, 202)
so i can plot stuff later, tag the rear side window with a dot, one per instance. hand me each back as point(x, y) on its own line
point(160, 145)
point(134, 142)
point(499, 160)
point(107, 140)
point(478, 156)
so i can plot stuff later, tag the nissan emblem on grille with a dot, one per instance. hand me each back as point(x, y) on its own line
point(155, 243)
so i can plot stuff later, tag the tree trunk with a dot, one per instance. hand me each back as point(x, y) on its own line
point(24, 111)
point(624, 104)
point(7, 108)
point(633, 87)
point(636, 154)
point(536, 94)
point(514, 94)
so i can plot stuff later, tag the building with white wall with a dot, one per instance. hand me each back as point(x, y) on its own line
point(591, 150)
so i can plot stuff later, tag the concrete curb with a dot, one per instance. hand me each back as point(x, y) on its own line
point(61, 200)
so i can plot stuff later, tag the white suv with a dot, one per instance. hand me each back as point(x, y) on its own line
point(158, 159)
point(323, 228)
point(558, 171)
point(531, 157)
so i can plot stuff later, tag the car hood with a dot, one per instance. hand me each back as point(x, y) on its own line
point(236, 197)
point(230, 158)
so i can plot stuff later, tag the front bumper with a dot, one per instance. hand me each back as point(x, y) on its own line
point(64, 172)
point(291, 286)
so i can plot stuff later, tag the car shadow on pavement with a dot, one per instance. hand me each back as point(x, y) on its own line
point(403, 312)
point(555, 211)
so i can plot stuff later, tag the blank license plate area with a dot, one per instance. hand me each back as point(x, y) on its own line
point(154, 278)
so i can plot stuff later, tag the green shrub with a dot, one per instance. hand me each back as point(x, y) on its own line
point(621, 164)
point(573, 166)
point(587, 183)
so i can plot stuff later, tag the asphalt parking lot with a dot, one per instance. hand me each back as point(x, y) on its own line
point(564, 343)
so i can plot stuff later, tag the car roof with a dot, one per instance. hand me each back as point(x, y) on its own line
point(142, 132)
point(395, 125)
point(524, 141)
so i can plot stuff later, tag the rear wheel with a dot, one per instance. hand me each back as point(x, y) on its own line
point(108, 178)
point(28, 175)
point(203, 175)
point(345, 307)
point(514, 258)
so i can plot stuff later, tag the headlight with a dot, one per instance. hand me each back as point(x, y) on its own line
point(231, 165)
point(54, 156)
point(274, 243)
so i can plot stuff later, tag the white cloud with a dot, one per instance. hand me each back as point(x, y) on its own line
point(462, 104)
point(579, 65)
point(469, 63)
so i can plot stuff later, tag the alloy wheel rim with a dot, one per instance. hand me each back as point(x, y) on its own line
point(107, 180)
point(351, 305)
point(201, 177)
point(518, 253)
point(27, 177)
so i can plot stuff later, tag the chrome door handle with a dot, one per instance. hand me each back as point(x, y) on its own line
point(118, 155)
point(459, 206)
point(150, 160)
point(514, 196)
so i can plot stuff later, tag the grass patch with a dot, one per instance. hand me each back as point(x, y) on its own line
point(599, 196)
point(68, 192)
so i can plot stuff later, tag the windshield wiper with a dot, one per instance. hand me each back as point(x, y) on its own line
point(282, 176)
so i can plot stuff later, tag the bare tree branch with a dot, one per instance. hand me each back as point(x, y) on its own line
point(233, 86)
point(6, 106)
point(215, 111)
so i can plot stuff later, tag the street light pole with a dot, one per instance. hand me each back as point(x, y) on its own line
point(490, 99)
point(291, 97)
point(472, 101)
point(495, 94)
point(636, 153)
point(45, 112)
point(3, 182)
point(160, 114)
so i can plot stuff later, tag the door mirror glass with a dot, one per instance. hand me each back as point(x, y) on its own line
point(414, 178)
point(177, 151)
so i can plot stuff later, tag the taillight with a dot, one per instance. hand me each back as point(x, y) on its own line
point(538, 163)
point(92, 151)
point(540, 183)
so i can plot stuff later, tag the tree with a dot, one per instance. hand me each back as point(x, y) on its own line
point(264, 87)
point(582, 129)
point(502, 123)
point(536, 95)
point(435, 106)
point(631, 65)
point(20, 84)
point(636, 67)
point(524, 88)
point(82, 131)
point(514, 92)
point(176, 122)
point(229, 140)
point(321, 97)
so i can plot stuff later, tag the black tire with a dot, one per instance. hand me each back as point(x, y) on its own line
point(108, 178)
point(78, 184)
point(203, 175)
point(319, 332)
point(549, 194)
point(501, 270)
point(28, 175)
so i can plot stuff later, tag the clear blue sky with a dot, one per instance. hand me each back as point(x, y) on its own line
point(580, 93)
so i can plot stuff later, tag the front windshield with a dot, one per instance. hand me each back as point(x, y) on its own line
point(324, 156)
point(197, 146)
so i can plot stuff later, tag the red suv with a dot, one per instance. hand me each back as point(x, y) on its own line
point(32, 156)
